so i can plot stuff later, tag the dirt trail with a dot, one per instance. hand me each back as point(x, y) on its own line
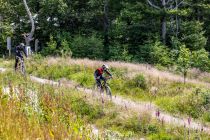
point(138, 107)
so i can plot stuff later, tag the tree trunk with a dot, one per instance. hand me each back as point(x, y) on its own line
point(106, 30)
point(163, 29)
point(163, 23)
point(185, 75)
point(29, 37)
point(177, 22)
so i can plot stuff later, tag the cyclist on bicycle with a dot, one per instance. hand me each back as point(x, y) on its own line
point(19, 50)
point(98, 75)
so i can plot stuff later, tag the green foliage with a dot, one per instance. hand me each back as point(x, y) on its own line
point(120, 52)
point(51, 47)
point(138, 81)
point(161, 136)
point(206, 116)
point(76, 28)
point(192, 35)
point(83, 78)
point(193, 104)
point(161, 55)
point(183, 61)
point(80, 107)
point(65, 49)
point(200, 60)
point(90, 47)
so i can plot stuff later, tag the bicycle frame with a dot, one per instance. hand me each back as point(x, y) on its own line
point(105, 86)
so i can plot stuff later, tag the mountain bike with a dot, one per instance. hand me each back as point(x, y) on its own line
point(20, 66)
point(105, 87)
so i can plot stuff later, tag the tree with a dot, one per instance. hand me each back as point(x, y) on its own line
point(192, 35)
point(163, 7)
point(184, 62)
point(161, 55)
point(29, 37)
point(106, 29)
point(200, 60)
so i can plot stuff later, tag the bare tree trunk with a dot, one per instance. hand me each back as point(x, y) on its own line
point(163, 23)
point(185, 75)
point(177, 22)
point(1, 19)
point(163, 29)
point(29, 37)
point(106, 29)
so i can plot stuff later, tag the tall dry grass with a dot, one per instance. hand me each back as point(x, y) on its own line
point(133, 69)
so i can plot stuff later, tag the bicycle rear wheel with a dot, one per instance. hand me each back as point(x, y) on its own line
point(108, 91)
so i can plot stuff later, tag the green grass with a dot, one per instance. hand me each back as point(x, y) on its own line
point(67, 107)
point(54, 120)
point(169, 96)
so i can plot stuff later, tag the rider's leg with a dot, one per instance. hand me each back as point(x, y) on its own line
point(16, 63)
point(98, 83)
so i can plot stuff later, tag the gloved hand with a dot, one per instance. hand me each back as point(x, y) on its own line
point(97, 78)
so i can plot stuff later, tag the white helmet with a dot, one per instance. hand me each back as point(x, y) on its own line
point(22, 44)
point(105, 67)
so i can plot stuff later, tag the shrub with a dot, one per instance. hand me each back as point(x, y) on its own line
point(51, 47)
point(200, 60)
point(206, 116)
point(65, 50)
point(120, 52)
point(138, 81)
point(161, 55)
point(90, 47)
point(80, 107)
point(183, 61)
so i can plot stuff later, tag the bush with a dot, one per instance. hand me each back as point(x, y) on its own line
point(65, 50)
point(200, 60)
point(206, 116)
point(161, 55)
point(80, 107)
point(51, 47)
point(138, 81)
point(89, 47)
point(120, 52)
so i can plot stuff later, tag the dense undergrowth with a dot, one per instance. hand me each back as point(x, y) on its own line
point(65, 113)
point(29, 111)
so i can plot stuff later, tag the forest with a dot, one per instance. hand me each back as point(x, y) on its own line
point(153, 56)
point(147, 31)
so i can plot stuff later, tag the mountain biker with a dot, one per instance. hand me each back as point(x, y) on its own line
point(98, 75)
point(19, 50)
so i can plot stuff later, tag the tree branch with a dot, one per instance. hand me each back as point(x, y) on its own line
point(169, 1)
point(151, 4)
point(30, 35)
point(177, 6)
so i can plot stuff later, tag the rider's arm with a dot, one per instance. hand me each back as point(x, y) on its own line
point(108, 73)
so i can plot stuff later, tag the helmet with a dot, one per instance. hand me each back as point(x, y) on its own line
point(22, 44)
point(105, 67)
